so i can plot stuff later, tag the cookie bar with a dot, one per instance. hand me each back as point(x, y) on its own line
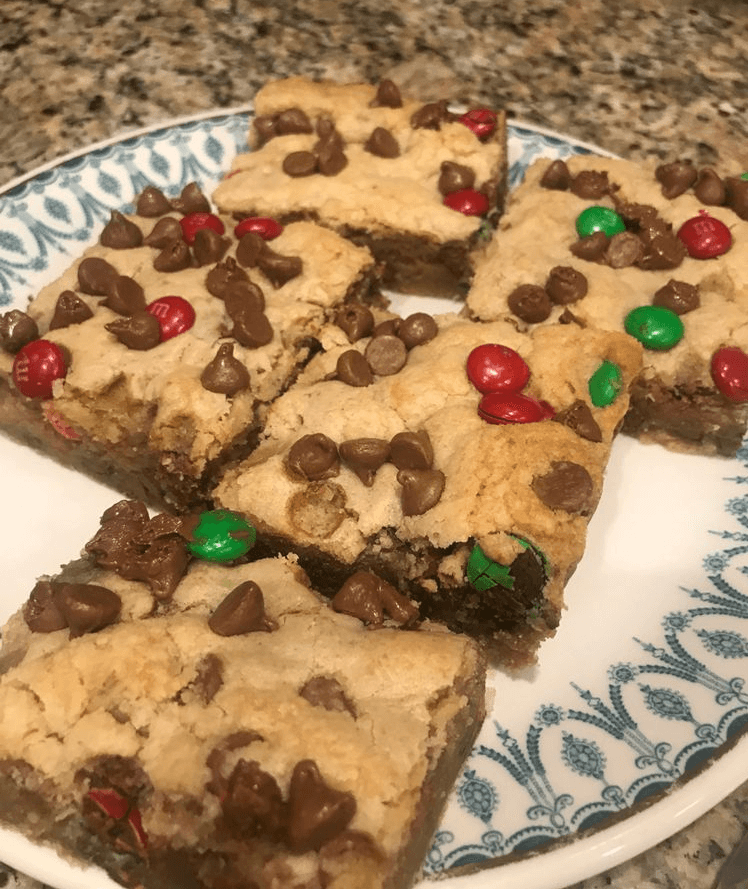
point(417, 184)
point(149, 362)
point(658, 251)
point(186, 722)
point(385, 456)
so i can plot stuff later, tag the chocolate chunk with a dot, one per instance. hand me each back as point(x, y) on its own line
point(313, 457)
point(387, 96)
point(41, 611)
point(95, 276)
point(87, 607)
point(224, 275)
point(417, 329)
point(120, 233)
point(174, 257)
point(328, 693)
point(591, 248)
point(665, 251)
point(209, 246)
point(317, 813)
point(290, 121)
point(355, 320)
point(565, 285)
point(736, 195)
point(411, 450)
point(125, 296)
point(678, 296)
point(252, 328)
point(454, 177)
point(225, 374)
point(675, 178)
point(365, 456)
point(163, 233)
point(208, 680)
point(590, 184)
point(242, 611)
point(709, 188)
point(369, 598)
point(557, 176)
point(382, 143)
point(421, 490)
point(624, 249)
point(530, 302)
point(566, 486)
point(431, 116)
point(578, 417)
point(386, 355)
point(299, 163)
point(353, 369)
point(69, 309)
point(191, 200)
point(16, 330)
point(152, 202)
point(140, 331)
point(253, 804)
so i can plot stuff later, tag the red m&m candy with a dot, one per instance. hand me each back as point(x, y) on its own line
point(704, 236)
point(467, 201)
point(193, 222)
point(513, 407)
point(729, 368)
point(36, 366)
point(495, 368)
point(174, 315)
point(263, 226)
point(481, 121)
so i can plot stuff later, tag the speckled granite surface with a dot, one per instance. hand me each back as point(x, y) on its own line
point(638, 77)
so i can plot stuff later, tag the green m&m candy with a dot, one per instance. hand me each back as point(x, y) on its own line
point(484, 574)
point(221, 536)
point(599, 219)
point(656, 327)
point(605, 384)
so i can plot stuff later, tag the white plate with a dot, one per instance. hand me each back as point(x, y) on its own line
point(630, 728)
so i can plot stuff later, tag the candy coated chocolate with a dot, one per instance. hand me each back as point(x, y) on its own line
point(605, 384)
point(705, 237)
point(492, 367)
point(482, 121)
point(599, 219)
point(467, 201)
point(264, 226)
point(221, 536)
point(193, 222)
point(513, 407)
point(174, 315)
point(36, 366)
point(656, 327)
point(729, 369)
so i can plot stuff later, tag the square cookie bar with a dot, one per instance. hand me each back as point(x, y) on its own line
point(658, 251)
point(386, 456)
point(190, 723)
point(417, 184)
point(149, 362)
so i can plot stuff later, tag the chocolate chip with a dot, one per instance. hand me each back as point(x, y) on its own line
point(390, 327)
point(163, 233)
point(624, 249)
point(225, 374)
point(387, 96)
point(557, 176)
point(264, 127)
point(709, 188)
point(69, 309)
point(140, 331)
point(174, 257)
point(331, 158)
point(152, 202)
point(386, 355)
point(313, 457)
point(411, 450)
point(95, 276)
point(16, 330)
point(417, 329)
point(678, 296)
point(454, 177)
point(675, 178)
point(578, 417)
point(41, 611)
point(292, 120)
point(369, 598)
point(252, 328)
point(318, 509)
point(353, 369)
point(365, 456)
point(530, 303)
point(566, 486)
point(191, 200)
point(665, 251)
point(209, 246)
point(125, 296)
point(590, 184)
point(355, 320)
point(252, 804)
point(565, 285)
point(431, 116)
point(421, 490)
point(328, 693)
point(299, 163)
point(120, 233)
point(317, 813)
point(736, 195)
point(243, 297)
point(253, 251)
point(591, 248)
point(224, 275)
point(86, 607)
point(382, 143)
point(208, 679)
point(241, 611)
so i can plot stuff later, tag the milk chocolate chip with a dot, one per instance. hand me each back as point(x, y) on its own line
point(454, 177)
point(411, 450)
point(736, 195)
point(69, 309)
point(299, 163)
point(530, 303)
point(417, 329)
point(421, 490)
point(207, 682)
point(624, 249)
point(225, 374)
point(313, 457)
point(41, 611)
point(140, 331)
point(16, 330)
point(209, 246)
point(95, 276)
point(191, 200)
point(317, 813)
point(355, 320)
point(242, 611)
point(353, 369)
point(318, 509)
point(431, 116)
point(365, 456)
point(163, 233)
point(152, 202)
point(125, 296)
point(86, 607)
point(591, 248)
point(290, 121)
point(557, 176)
point(120, 233)
point(331, 158)
point(174, 257)
point(252, 803)
point(382, 143)
point(387, 96)
point(252, 328)
point(328, 693)
point(369, 598)
point(665, 251)
point(590, 184)
point(709, 188)
point(565, 285)
point(386, 355)
point(678, 296)
point(675, 178)
point(578, 417)
point(566, 486)
point(253, 251)
point(224, 275)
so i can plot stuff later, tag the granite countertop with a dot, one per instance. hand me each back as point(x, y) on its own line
point(637, 77)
